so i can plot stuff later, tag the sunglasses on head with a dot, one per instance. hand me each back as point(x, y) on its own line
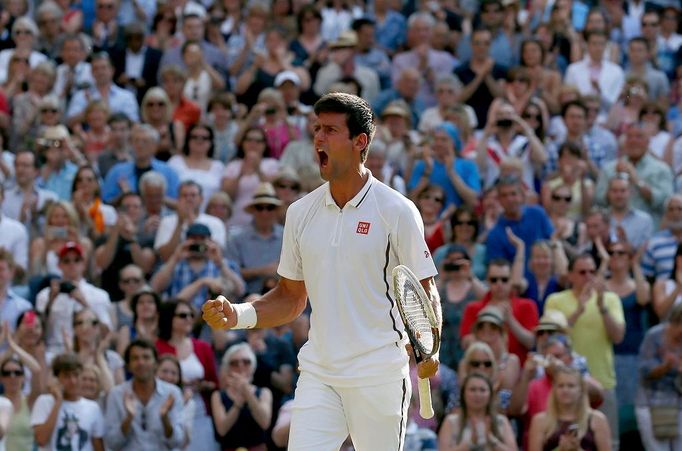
point(264, 207)
point(481, 363)
point(557, 198)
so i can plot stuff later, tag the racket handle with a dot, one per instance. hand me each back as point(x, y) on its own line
point(425, 406)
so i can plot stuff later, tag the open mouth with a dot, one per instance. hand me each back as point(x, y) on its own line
point(323, 158)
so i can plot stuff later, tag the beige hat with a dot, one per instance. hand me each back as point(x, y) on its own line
point(347, 39)
point(552, 320)
point(397, 108)
point(490, 314)
point(55, 132)
point(264, 195)
point(287, 173)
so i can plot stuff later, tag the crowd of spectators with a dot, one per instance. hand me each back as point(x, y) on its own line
point(151, 149)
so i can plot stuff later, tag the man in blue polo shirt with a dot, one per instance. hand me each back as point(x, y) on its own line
point(528, 222)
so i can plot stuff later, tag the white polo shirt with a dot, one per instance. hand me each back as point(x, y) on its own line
point(345, 256)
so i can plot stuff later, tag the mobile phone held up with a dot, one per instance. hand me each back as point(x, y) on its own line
point(66, 287)
point(197, 248)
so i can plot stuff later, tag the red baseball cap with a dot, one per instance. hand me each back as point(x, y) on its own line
point(70, 246)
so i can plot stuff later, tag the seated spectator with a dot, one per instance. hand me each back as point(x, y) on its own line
point(572, 173)
point(61, 226)
point(14, 238)
point(196, 161)
point(145, 305)
point(92, 384)
point(569, 231)
point(405, 91)
point(153, 189)
point(667, 290)
point(26, 117)
point(629, 106)
point(169, 370)
point(569, 421)
point(520, 315)
point(529, 222)
point(69, 294)
point(506, 135)
point(202, 79)
point(197, 270)
point(24, 34)
point(55, 152)
point(91, 344)
point(25, 201)
point(57, 416)
point(430, 202)
point(18, 433)
point(181, 109)
point(464, 225)
point(650, 179)
point(29, 336)
point(11, 305)
point(188, 212)
point(221, 112)
point(287, 184)
point(74, 72)
point(652, 115)
point(244, 174)
point(125, 177)
point(118, 99)
point(256, 248)
point(477, 424)
point(144, 411)
point(197, 361)
point(242, 412)
point(220, 206)
point(441, 165)
point(156, 110)
point(96, 218)
point(130, 280)
point(448, 90)
point(94, 131)
point(547, 270)
point(659, 374)
point(118, 148)
point(479, 358)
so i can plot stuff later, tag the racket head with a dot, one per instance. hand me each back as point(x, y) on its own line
point(416, 313)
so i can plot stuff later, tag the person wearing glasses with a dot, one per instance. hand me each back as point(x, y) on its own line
point(241, 411)
point(479, 358)
point(176, 320)
point(256, 248)
point(62, 418)
point(573, 168)
point(71, 293)
point(520, 315)
point(144, 412)
point(91, 344)
point(597, 322)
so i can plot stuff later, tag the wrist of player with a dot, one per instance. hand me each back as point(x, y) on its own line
point(246, 315)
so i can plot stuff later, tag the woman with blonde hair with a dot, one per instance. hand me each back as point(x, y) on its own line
point(569, 423)
point(96, 137)
point(156, 110)
point(61, 225)
point(477, 425)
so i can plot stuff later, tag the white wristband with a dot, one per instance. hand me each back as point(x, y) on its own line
point(246, 316)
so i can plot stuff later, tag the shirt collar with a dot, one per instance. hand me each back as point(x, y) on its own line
point(355, 201)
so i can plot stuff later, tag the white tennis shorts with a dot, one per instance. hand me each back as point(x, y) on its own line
point(374, 416)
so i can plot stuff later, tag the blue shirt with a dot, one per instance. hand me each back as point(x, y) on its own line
point(251, 250)
point(466, 169)
point(659, 257)
point(111, 189)
point(532, 291)
point(12, 307)
point(534, 225)
point(390, 34)
point(120, 101)
point(60, 182)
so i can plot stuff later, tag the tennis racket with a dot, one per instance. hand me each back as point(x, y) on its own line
point(420, 325)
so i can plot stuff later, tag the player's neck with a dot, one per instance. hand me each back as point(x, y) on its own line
point(343, 190)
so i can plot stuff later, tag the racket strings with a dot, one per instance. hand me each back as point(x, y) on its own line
point(415, 315)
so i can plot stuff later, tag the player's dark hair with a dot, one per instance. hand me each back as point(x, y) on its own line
point(359, 115)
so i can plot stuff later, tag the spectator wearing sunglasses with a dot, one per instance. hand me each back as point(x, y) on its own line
point(597, 323)
point(520, 315)
point(176, 320)
point(153, 424)
point(256, 247)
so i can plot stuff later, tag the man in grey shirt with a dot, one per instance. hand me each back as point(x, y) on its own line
point(144, 413)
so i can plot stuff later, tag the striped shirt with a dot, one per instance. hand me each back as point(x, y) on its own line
point(659, 257)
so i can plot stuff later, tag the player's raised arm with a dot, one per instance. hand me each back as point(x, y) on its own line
point(279, 306)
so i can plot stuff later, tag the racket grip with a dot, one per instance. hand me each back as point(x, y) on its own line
point(425, 406)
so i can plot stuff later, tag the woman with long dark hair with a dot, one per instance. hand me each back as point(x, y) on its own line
point(668, 292)
point(477, 425)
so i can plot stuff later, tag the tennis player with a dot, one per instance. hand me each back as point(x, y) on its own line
point(341, 243)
